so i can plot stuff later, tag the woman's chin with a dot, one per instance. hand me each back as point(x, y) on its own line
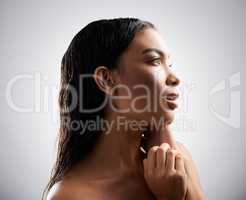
point(166, 116)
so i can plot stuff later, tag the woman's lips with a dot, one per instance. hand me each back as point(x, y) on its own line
point(172, 96)
point(170, 99)
point(172, 104)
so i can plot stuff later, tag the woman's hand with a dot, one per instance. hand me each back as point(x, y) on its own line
point(195, 191)
point(164, 173)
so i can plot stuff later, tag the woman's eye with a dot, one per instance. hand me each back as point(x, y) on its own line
point(156, 61)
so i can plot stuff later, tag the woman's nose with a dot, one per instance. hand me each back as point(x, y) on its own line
point(172, 80)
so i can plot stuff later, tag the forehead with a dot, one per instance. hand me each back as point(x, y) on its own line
point(148, 38)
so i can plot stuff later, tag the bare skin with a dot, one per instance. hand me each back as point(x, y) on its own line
point(165, 174)
point(115, 168)
point(112, 171)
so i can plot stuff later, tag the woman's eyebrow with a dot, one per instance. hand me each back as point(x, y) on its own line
point(158, 51)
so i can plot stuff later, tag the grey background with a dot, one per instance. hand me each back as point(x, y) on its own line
point(207, 41)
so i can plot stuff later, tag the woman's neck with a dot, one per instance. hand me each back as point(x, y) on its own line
point(116, 153)
point(117, 150)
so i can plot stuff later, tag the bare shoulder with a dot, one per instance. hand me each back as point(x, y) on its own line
point(183, 148)
point(59, 191)
point(188, 155)
point(185, 151)
point(64, 190)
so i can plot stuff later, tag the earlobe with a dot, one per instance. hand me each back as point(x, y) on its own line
point(103, 79)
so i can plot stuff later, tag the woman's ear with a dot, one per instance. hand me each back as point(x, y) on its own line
point(104, 79)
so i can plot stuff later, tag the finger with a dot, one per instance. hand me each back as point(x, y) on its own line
point(171, 159)
point(179, 163)
point(188, 170)
point(161, 155)
point(151, 160)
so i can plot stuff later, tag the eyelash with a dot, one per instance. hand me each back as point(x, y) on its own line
point(155, 60)
point(159, 60)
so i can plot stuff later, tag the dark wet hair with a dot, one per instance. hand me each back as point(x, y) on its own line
point(99, 43)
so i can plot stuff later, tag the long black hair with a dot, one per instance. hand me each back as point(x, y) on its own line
point(101, 42)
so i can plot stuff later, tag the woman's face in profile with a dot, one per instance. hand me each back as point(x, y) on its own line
point(146, 78)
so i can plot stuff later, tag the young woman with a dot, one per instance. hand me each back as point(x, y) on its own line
point(117, 101)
